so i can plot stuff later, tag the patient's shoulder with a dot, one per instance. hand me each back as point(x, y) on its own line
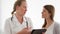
point(56, 24)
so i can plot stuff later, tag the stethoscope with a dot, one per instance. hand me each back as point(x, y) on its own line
point(26, 21)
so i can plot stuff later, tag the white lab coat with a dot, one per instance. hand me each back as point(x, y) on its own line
point(53, 29)
point(12, 27)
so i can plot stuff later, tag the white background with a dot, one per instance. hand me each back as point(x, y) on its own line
point(35, 8)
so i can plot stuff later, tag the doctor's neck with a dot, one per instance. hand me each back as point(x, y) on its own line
point(20, 18)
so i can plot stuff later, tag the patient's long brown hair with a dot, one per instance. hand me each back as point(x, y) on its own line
point(51, 10)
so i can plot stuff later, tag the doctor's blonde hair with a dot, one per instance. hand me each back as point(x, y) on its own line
point(18, 2)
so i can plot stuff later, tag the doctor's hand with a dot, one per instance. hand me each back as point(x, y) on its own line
point(25, 31)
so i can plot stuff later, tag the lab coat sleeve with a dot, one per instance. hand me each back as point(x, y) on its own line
point(7, 28)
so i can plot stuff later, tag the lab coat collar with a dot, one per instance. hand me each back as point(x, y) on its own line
point(15, 18)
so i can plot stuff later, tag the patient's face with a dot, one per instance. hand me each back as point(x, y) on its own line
point(45, 13)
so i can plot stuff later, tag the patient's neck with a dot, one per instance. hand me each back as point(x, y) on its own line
point(49, 22)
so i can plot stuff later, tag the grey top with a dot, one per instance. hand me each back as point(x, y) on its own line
point(56, 28)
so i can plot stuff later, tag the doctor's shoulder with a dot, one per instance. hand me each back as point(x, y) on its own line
point(29, 22)
point(28, 19)
point(8, 20)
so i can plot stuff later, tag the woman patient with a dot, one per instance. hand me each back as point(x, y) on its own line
point(49, 24)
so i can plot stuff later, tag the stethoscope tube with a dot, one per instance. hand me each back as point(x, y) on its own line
point(27, 24)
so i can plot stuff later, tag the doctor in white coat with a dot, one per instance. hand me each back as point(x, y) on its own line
point(18, 23)
point(49, 24)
